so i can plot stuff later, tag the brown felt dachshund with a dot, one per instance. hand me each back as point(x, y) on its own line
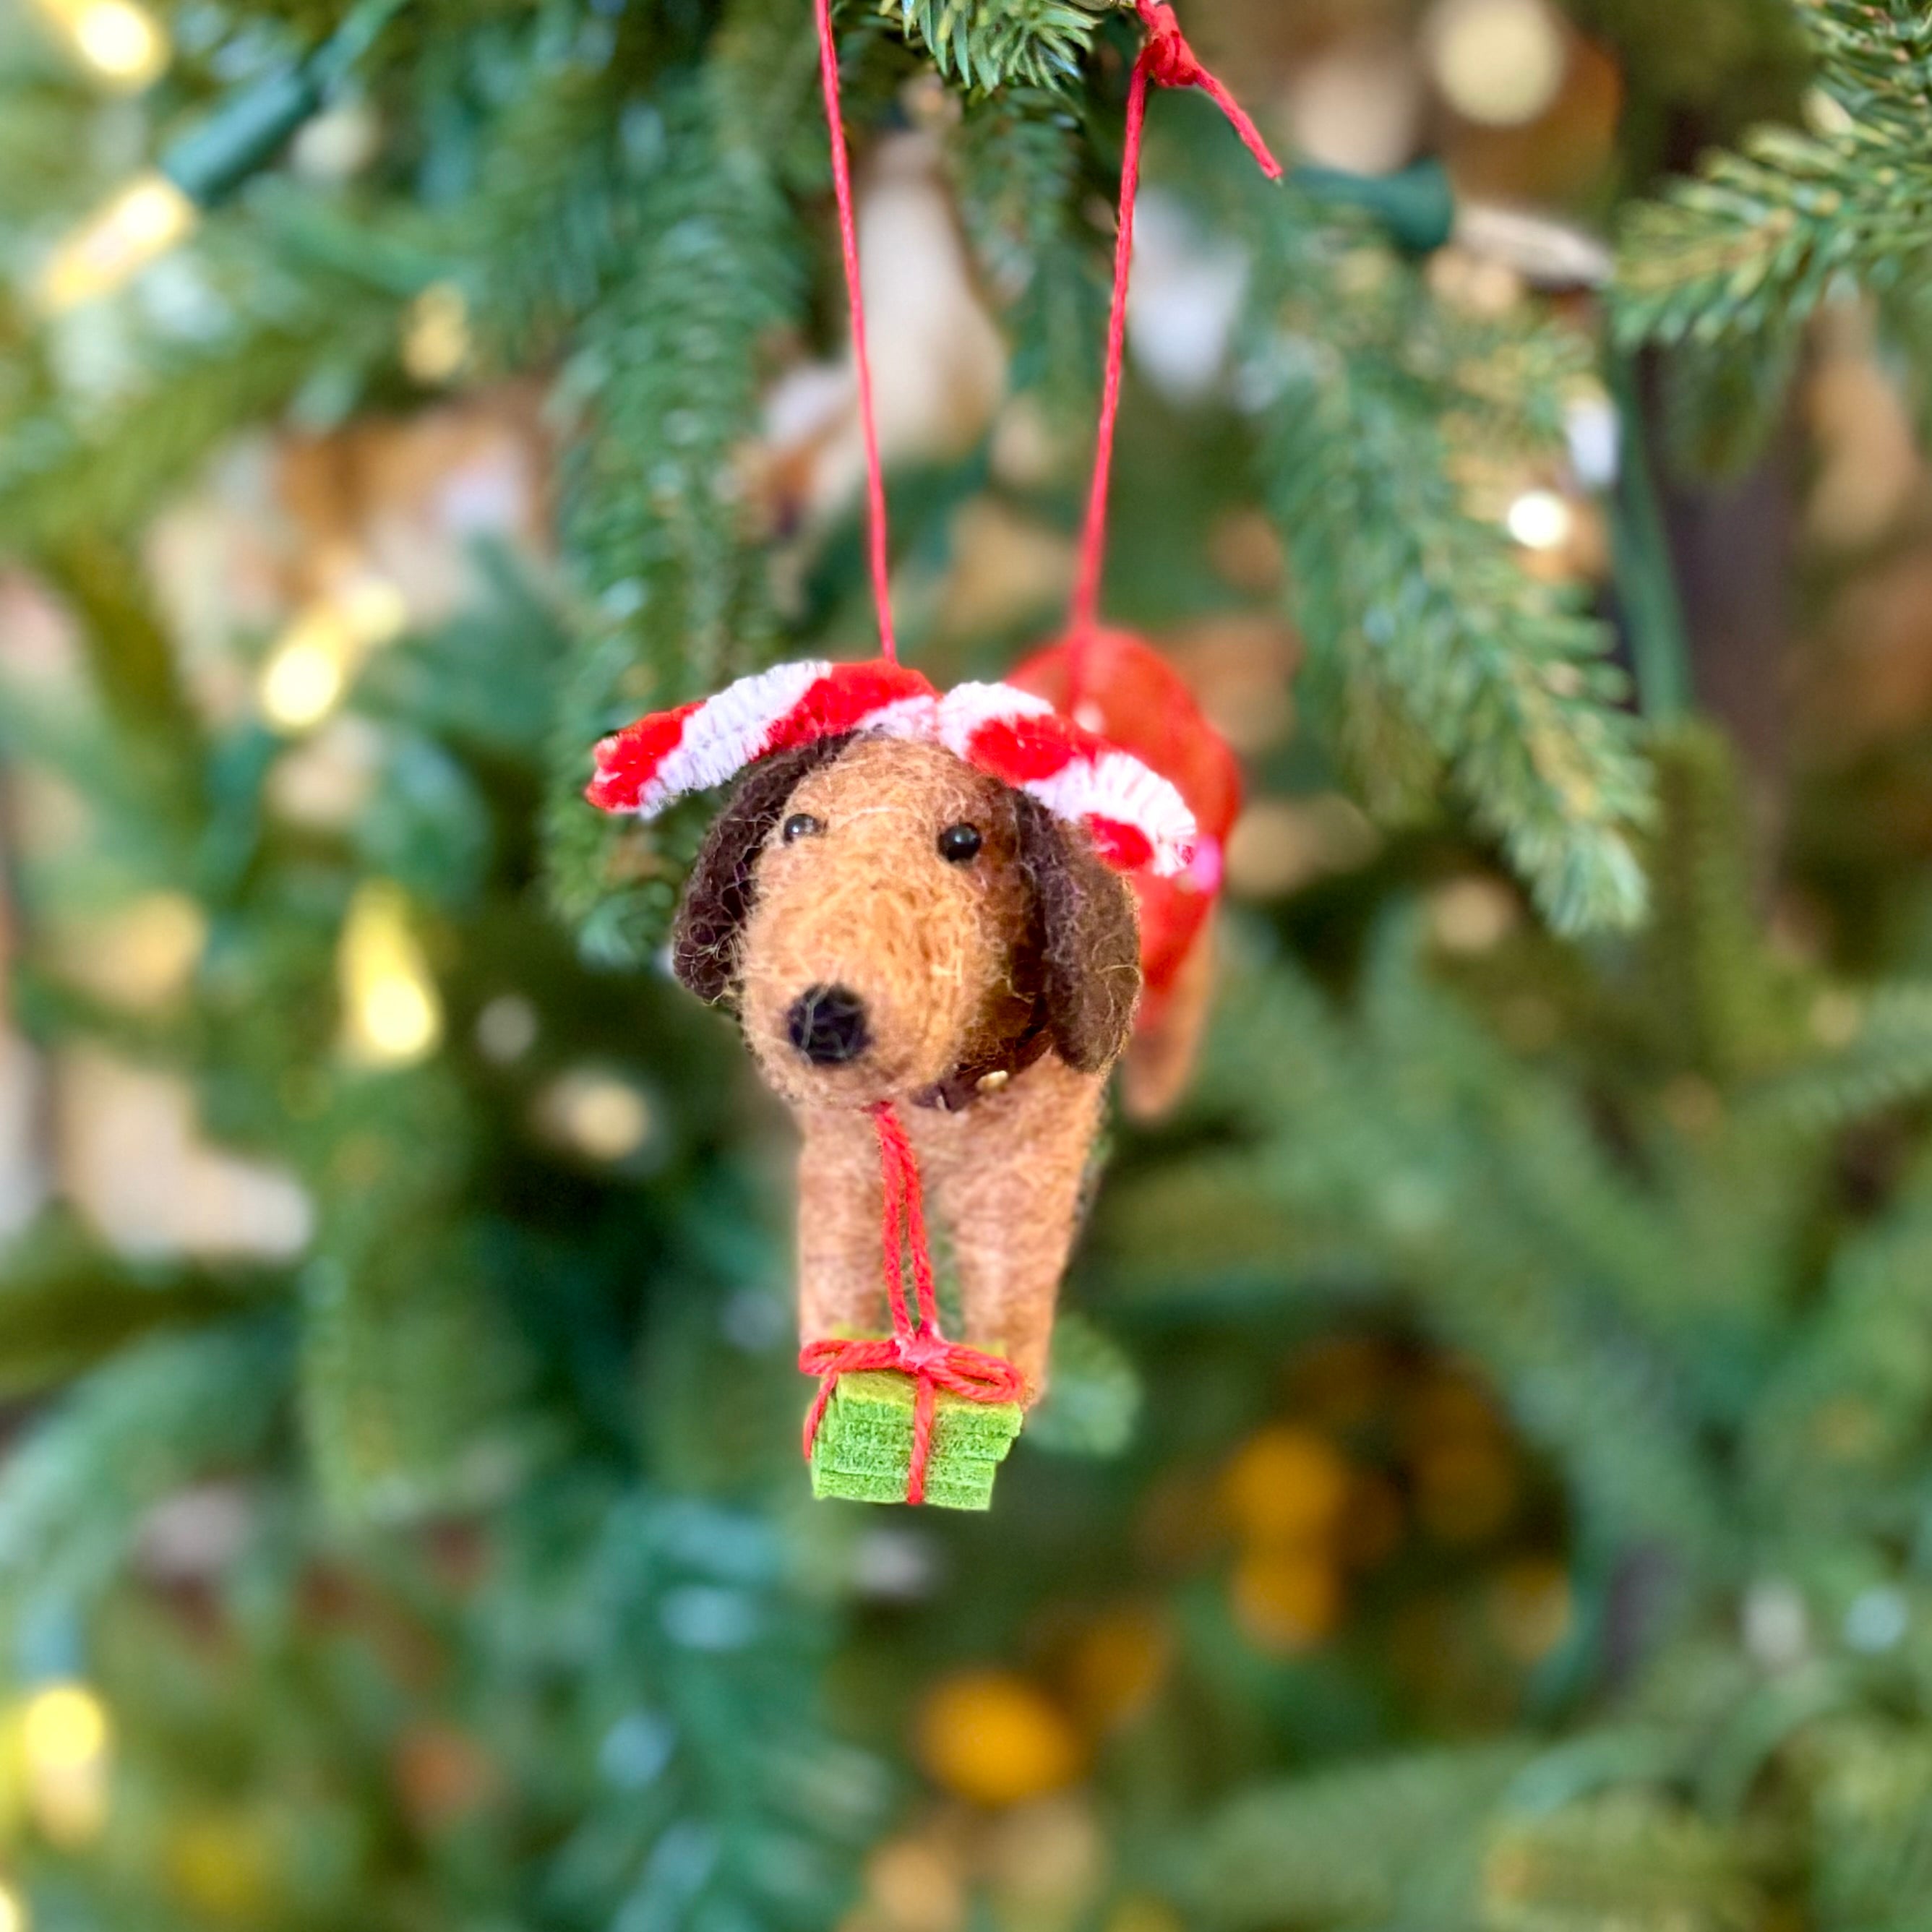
point(892, 923)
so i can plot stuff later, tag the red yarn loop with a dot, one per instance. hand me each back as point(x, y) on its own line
point(862, 362)
point(916, 1347)
point(1168, 60)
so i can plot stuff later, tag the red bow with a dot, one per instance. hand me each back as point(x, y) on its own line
point(933, 1362)
point(916, 1347)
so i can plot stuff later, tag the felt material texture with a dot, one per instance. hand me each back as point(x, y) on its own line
point(863, 1448)
point(1089, 943)
point(943, 957)
point(1137, 700)
point(1002, 1179)
point(1133, 815)
point(1166, 1041)
point(711, 915)
point(947, 960)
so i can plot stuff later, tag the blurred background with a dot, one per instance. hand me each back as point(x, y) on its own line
point(1486, 1482)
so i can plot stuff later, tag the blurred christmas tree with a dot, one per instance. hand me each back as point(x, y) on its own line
point(1486, 1481)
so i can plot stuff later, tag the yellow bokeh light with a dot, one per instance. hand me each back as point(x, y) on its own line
point(436, 335)
point(308, 672)
point(392, 1013)
point(599, 1113)
point(141, 223)
point(398, 1017)
point(64, 1740)
point(1541, 520)
point(120, 41)
point(13, 1911)
point(1499, 62)
point(374, 609)
point(994, 1738)
point(303, 679)
point(139, 957)
point(64, 1727)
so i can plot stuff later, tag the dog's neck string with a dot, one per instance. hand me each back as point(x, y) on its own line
point(1166, 59)
point(848, 243)
point(915, 1348)
point(904, 1229)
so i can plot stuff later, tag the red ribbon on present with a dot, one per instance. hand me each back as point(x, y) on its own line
point(916, 1347)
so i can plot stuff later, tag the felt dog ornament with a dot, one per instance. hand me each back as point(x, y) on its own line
point(916, 903)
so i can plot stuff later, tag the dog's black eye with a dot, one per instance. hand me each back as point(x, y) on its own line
point(959, 844)
point(800, 825)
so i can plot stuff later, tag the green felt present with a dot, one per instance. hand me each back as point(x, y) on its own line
point(863, 1448)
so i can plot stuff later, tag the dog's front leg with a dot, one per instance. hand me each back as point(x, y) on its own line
point(1005, 1175)
point(841, 1201)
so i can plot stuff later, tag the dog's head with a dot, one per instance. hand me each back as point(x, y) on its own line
point(881, 913)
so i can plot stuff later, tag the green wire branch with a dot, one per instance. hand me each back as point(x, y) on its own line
point(213, 160)
point(1646, 584)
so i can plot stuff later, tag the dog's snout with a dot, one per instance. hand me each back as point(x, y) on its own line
point(827, 1024)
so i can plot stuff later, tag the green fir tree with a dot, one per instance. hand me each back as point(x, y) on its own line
point(1485, 1483)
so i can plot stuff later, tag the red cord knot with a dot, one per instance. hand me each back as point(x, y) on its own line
point(921, 1349)
point(1170, 60)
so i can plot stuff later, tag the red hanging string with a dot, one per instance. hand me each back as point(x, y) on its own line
point(1168, 61)
point(848, 242)
point(916, 1347)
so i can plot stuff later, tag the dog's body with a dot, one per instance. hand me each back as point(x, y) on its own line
point(1004, 1178)
point(894, 924)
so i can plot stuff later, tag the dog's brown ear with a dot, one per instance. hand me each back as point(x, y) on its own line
point(1089, 939)
point(705, 937)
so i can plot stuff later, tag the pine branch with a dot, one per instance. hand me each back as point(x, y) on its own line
point(1016, 160)
point(134, 673)
point(1723, 403)
point(1881, 1056)
point(1635, 1857)
point(1403, 1151)
point(1709, 983)
point(764, 72)
point(1877, 60)
point(1871, 1779)
point(154, 1418)
point(65, 1305)
point(666, 374)
point(1425, 630)
point(549, 225)
point(721, 1799)
point(410, 1372)
point(1553, 1275)
point(1837, 1436)
point(68, 470)
point(1761, 236)
point(986, 44)
point(1389, 1842)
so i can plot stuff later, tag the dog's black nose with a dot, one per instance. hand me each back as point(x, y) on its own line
point(827, 1024)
